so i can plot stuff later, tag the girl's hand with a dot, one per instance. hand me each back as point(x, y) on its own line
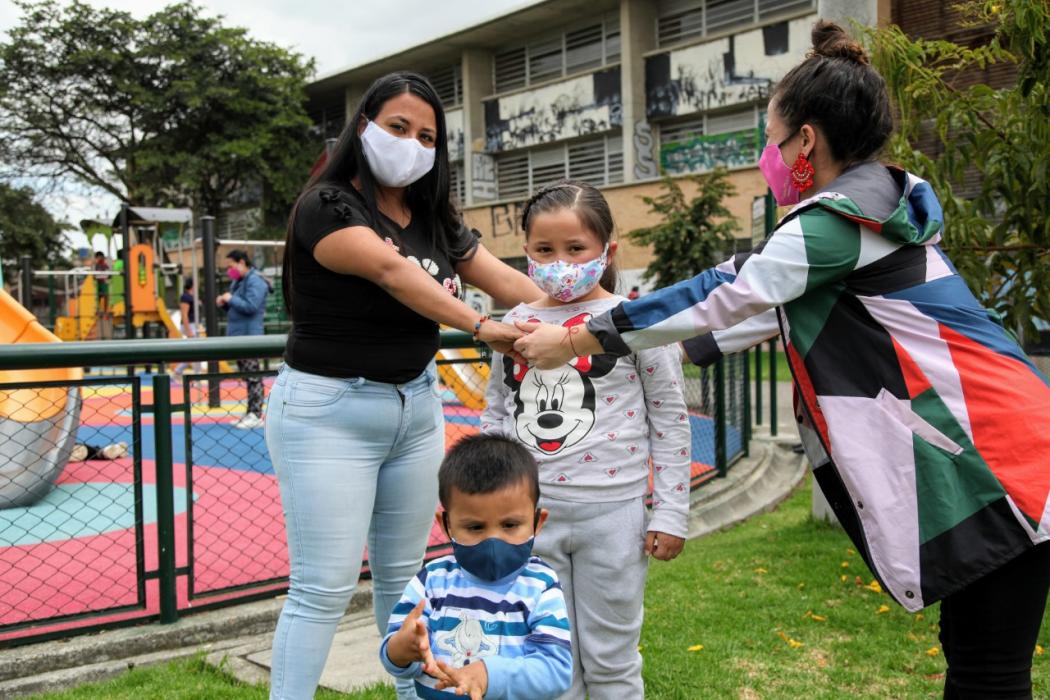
point(545, 346)
point(472, 679)
point(660, 545)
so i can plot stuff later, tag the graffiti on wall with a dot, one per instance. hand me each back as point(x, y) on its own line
point(506, 219)
point(454, 133)
point(737, 69)
point(707, 151)
point(584, 105)
point(644, 162)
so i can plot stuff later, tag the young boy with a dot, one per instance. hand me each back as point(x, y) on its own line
point(489, 620)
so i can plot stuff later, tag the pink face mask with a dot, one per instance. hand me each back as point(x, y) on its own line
point(233, 273)
point(778, 175)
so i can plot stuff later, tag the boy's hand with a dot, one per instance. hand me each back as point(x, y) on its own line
point(472, 679)
point(412, 643)
point(662, 546)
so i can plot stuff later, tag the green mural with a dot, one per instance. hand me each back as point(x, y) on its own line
point(706, 152)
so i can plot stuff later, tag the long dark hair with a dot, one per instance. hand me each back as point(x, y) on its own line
point(591, 208)
point(427, 198)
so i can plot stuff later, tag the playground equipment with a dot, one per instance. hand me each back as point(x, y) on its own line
point(37, 426)
point(85, 317)
point(467, 375)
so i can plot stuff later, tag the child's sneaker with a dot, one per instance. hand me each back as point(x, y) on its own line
point(249, 422)
point(115, 451)
point(79, 453)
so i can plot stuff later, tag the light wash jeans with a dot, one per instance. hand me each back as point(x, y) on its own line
point(355, 460)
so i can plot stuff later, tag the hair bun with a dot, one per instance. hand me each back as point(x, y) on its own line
point(831, 41)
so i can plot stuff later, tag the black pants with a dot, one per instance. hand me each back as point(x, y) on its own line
point(255, 386)
point(989, 629)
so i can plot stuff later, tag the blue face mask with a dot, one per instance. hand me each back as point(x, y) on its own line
point(491, 559)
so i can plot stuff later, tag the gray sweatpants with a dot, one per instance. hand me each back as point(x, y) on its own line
point(597, 549)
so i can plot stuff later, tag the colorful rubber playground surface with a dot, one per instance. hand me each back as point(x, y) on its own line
point(76, 553)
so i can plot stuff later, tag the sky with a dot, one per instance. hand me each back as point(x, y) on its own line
point(337, 34)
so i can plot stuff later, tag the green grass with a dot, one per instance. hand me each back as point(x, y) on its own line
point(783, 373)
point(782, 606)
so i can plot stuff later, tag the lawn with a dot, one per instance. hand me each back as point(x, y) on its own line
point(779, 607)
point(783, 373)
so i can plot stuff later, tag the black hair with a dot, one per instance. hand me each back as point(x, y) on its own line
point(427, 198)
point(238, 255)
point(837, 89)
point(486, 463)
point(99, 254)
point(590, 207)
point(188, 284)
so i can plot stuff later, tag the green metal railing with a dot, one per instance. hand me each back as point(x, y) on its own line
point(729, 410)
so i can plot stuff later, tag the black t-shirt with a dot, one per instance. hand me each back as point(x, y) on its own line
point(347, 326)
point(191, 313)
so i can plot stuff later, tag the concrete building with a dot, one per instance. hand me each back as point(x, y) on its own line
point(609, 91)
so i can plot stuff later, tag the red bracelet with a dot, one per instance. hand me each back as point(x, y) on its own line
point(477, 326)
point(569, 332)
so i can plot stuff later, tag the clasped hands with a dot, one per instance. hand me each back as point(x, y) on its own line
point(540, 345)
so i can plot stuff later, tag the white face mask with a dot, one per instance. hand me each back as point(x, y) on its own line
point(395, 161)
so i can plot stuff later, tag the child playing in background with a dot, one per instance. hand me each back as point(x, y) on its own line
point(489, 620)
point(593, 426)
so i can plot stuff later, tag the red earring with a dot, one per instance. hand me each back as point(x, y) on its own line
point(802, 173)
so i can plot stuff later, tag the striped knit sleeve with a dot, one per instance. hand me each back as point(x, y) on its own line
point(545, 669)
point(808, 251)
point(414, 592)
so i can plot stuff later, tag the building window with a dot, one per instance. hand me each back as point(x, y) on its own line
point(448, 84)
point(597, 161)
point(590, 46)
point(683, 20)
point(700, 143)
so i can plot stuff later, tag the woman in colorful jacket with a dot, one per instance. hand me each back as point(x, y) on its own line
point(927, 427)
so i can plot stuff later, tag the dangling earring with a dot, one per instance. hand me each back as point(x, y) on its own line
point(802, 173)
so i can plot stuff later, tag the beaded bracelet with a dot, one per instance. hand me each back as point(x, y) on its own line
point(477, 326)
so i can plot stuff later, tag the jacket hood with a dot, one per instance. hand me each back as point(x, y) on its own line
point(885, 199)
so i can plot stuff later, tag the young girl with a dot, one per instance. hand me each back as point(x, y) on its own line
point(593, 426)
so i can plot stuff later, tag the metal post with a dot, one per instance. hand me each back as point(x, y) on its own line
point(746, 384)
point(125, 233)
point(27, 282)
point(165, 497)
point(758, 384)
point(720, 417)
point(211, 321)
point(773, 387)
point(52, 309)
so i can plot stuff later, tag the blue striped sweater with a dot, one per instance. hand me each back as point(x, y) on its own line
point(518, 626)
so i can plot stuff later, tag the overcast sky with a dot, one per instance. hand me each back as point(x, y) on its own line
point(336, 34)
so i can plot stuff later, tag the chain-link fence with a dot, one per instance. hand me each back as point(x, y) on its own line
point(130, 498)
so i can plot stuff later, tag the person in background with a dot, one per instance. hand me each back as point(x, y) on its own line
point(102, 281)
point(245, 305)
point(633, 294)
point(187, 318)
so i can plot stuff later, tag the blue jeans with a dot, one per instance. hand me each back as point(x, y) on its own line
point(356, 460)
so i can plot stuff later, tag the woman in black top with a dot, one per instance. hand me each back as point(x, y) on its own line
point(376, 257)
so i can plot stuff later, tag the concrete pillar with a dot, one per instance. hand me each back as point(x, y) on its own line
point(637, 36)
point(866, 12)
point(476, 85)
point(351, 97)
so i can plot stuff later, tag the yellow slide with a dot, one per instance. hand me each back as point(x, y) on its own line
point(466, 379)
point(38, 427)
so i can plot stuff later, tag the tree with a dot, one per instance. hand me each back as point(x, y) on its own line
point(171, 110)
point(692, 236)
point(26, 228)
point(998, 239)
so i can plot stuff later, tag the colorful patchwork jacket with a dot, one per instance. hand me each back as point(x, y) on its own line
point(928, 428)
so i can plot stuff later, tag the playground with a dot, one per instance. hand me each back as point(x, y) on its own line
point(80, 533)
